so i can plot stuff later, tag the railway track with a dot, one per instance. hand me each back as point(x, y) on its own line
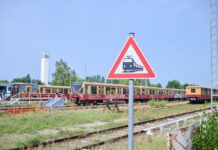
point(97, 138)
point(18, 110)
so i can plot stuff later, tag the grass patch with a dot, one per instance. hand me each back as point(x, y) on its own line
point(35, 140)
point(20, 143)
point(68, 123)
point(141, 142)
point(157, 103)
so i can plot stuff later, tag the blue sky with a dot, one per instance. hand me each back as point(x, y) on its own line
point(174, 35)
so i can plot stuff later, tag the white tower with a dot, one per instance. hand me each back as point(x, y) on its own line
point(44, 68)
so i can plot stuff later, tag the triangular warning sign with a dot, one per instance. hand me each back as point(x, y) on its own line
point(131, 63)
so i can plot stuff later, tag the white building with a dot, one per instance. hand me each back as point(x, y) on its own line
point(44, 68)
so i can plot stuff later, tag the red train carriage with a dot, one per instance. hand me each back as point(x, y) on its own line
point(88, 92)
point(33, 91)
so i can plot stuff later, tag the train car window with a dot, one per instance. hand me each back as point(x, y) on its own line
point(65, 91)
point(168, 92)
point(86, 89)
point(151, 92)
point(118, 90)
point(113, 90)
point(76, 87)
point(40, 89)
point(48, 90)
point(143, 91)
point(125, 91)
point(207, 92)
point(93, 90)
point(21, 87)
point(107, 90)
point(161, 92)
point(28, 90)
point(193, 90)
point(53, 90)
point(35, 88)
point(138, 91)
point(100, 90)
point(60, 91)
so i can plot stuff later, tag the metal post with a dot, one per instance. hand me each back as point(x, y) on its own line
point(214, 48)
point(131, 114)
point(131, 110)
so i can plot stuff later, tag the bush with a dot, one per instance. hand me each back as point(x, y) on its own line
point(206, 135)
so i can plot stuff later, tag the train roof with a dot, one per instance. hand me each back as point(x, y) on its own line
point(54, 86)
point(197, 86)
point(122, 85)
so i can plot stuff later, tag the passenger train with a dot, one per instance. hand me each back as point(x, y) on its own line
point(196, 94)
point(86, 93)
point(91, 93)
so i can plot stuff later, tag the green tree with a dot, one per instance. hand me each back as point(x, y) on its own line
point(158, 85)
point(73, 76)
point(25, 79)
point(175, 84)
point(37, 82)
point(187, 84)
point(124, 82)
point(147, 82)
point(63, 74)
point(184, 85)
point(95, 78)
point(4, 81)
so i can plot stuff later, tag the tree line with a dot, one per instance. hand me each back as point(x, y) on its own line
point(64, 76)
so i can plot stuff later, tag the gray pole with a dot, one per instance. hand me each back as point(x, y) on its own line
point(214, 48)
point(131, 111)
point(131, 114)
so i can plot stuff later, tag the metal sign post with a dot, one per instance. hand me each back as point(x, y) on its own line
point(214, 49)
point(131, 64)
point(131, 111)
point(131, 114)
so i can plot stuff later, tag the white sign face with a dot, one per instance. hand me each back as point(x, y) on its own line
point(131, 63)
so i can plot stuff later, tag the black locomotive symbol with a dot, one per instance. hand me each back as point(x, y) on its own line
point(129, 65)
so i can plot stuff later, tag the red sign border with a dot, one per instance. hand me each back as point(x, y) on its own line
point(150, 74)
